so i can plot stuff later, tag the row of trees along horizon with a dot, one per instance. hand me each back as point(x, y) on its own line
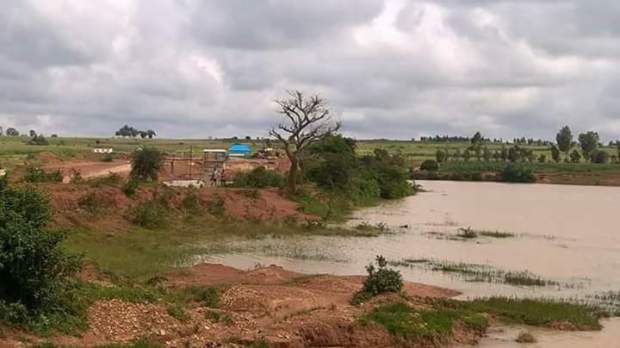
point(566, 149)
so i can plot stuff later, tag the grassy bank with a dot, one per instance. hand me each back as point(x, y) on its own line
point(552, 173)
point(141, 253)
point(437, 321)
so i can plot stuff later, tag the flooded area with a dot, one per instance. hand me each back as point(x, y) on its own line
point(565, 236)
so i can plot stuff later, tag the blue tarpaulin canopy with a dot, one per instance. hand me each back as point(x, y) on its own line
point(240, 149)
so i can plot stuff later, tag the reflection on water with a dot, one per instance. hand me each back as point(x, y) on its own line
point(505, 337)
point(567, 234)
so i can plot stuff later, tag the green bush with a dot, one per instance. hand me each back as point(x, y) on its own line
point(151, 214)
point(95, 203)
point(38, 175)
point(146, 164)
point(38, 140)
point(107, 158)
point(258, 178)
point(34, 269)
point(192, 203)
point(380, 280)
point(600, 157)
point(217, 206)
point(130, 187)
point(517, 173)
point(429, 165)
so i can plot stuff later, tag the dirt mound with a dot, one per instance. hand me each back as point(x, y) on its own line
point(122, 322)
point(261, 204)
point(272, 304)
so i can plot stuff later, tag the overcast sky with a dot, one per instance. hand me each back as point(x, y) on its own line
point(394, 69)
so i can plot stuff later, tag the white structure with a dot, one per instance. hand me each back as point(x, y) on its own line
point(2, 173)
point(185, 183)
point(103, 150)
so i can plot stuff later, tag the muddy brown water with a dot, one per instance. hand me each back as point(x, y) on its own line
point(569, 235)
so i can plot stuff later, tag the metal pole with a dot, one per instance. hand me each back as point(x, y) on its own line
point(191, 148)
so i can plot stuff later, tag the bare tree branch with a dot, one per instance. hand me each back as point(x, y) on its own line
point(307, 121)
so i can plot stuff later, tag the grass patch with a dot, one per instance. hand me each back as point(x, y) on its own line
point(538, 312)
point(219, 317)
point(178, 312)
point(477, 273)
point(140, 253)
point(206, 296)
point(142, 343)
point(435, 321)
point(496, 234)
point(403, 321)
point(467, 233)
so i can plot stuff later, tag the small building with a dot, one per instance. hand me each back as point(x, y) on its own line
point(215, 155)
point(103, 150)
point(240, 150)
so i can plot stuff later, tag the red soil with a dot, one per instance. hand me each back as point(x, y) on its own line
point(285, 308)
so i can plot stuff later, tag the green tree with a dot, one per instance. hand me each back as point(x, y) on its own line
point(555, 154)
point(514, 153)
point(503, 154)
point(466, 155)
point(33, 266)
point(486, 154)
point(441, 156)
point(332, 163)
point(389, 172)
point(12, 132)
point(477, 139)
point(600, 156)
point(575, 156)
point(146, 164)
point(429, 165)
point(564, 138)
point(588, 142)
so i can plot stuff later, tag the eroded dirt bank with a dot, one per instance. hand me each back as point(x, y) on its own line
point(267, 304)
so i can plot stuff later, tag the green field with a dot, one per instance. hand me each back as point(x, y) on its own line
point(14, 150)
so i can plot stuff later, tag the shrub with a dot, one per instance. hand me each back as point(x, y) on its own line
point(441, 156)
point(467, 233)
point(192, 204)
point(217, 206)
point(107, 158)
point(151, 214)
point(600, 157)
point(258, 178)
point(129, 189)
point(111, 180)
point(429, 165)
point(94, 203)
point(380, 280)
point(525, 337)
point(38, 175)
point(38, 140)
point(517, 173)
point(33, 267)
point(146, 164)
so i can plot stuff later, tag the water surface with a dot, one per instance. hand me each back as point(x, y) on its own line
point(565, 234)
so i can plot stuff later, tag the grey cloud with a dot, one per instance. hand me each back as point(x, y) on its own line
point(191, 68)
point(270, 24)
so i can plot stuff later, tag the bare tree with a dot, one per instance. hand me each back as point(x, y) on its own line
point(306, 121)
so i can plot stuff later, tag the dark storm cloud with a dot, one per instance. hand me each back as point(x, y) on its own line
point(389, 68)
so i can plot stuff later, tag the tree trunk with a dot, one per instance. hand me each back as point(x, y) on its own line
point(292, 177)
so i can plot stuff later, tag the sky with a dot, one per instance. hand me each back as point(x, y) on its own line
point(388, 68)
